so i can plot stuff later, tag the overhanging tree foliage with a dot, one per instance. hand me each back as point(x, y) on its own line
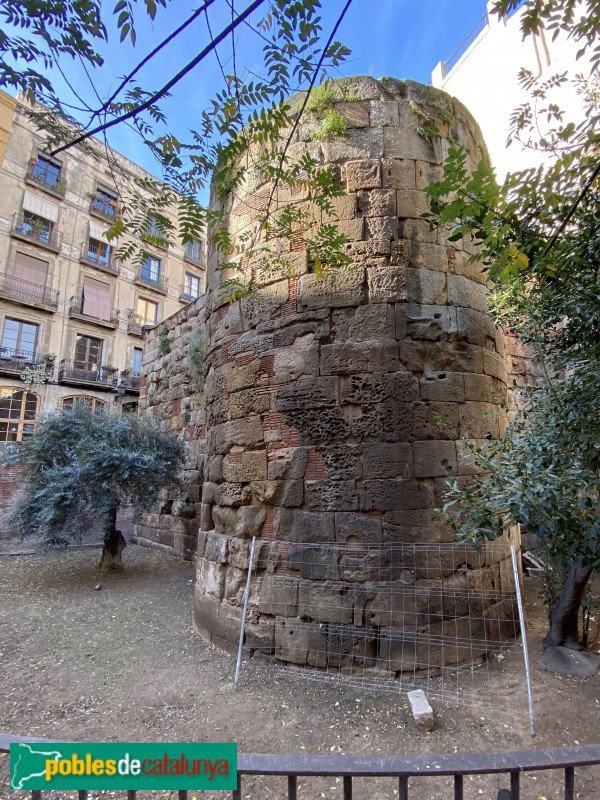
point(79, 466)
point(539, 236)
point(248, 108)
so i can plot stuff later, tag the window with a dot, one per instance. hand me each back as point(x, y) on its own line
point(46, 171)
point(82, 401)
point(147, 311)
point(191, 287)
point(19, 338)
point(96, 299)
point(88, 354)
point(150, 270)
point(98, 253)
point(155, 227)
point(137, 361)
point(193, 251)
point(18, 413)
point(104, 202)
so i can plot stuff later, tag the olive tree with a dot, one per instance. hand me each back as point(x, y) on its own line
point(80, 466)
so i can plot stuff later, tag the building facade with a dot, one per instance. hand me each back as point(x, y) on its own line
point(483, 73)
point(72, 316)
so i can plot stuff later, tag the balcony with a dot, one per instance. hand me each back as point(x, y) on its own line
point(134, 324)
point(13, 362)
point(81, 374)
point(102, 261)
point(185, 296)
point(76, 311)
point(27, 293)
point(32, 231)
point(45, 179)
point(131, 381)
point(146, 279)
point(103, 208)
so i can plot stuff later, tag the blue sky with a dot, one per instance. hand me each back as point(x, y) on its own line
point(400, 38)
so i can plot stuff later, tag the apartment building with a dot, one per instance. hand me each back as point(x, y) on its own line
point(72, 316)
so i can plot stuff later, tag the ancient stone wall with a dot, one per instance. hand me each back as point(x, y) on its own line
point(172, 391)
point(335, 408)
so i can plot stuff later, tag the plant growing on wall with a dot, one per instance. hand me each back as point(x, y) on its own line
point(196, 356)
point(539, 238)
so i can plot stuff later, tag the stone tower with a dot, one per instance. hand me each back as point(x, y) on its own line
point(334, 408)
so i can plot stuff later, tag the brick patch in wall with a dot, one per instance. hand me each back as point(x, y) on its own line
point(291, 306)
point(222, 311)
point(243, 359)
point(315, 468)
point(225, 352)
point(268, 531)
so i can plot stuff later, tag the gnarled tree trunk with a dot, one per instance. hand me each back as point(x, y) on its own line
point(563, 630)
point(114, 544)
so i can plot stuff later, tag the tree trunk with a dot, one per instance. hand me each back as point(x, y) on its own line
point(563, 630)
point(114, 544)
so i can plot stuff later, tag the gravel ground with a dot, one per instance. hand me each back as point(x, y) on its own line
point(123, 664)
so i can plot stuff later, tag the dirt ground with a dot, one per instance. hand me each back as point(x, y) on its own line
point(123, 664)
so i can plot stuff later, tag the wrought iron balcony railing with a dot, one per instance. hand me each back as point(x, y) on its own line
point(42, 234)
point(28, 293)
point(47, 180)
point(107, 209)
point(78, 310)
point(134, 324)
point(131, 380)
point(80, 372)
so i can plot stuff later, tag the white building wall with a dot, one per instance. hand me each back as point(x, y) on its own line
point(485, 79)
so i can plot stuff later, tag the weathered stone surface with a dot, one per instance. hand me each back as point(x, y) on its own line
point(352, 528)
point(377, 203)
point(425, 286)
point(315, 393)
point(331, 496)
point(441, 356)
point(315, 562)
point(250, 466)
point(381, 227)
point(365, 322)
point(243, 432)
point(388, 422)
point(411, 203)
point(398, 173)
point(295, 525)
point(325, 602)
point(326, 427)
point(397, 649)
point(393, 495)
point(248, 401)
point(372, 356)
point(296, 643)
point(430, 323)
point(434, 459)
point(387, 285)
point(363, 175)
point(479, 387)
point(232, 494)
point(288, 463)
point(455, 641)
point(346, 289)
point(443, 386)
point(279, 596)
point(378, 387)
point(466, 293)
point(352, 654)
point(382, 460)
point(342, 461)
point(473, 326)
point(479, 420)
point(250, 520)
point(225, 519)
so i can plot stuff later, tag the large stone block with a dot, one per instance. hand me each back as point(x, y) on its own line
point(326, 427)
point(377, 203)
point(382, 460)
point(352, 528)
point(364, 323)
point(397, 608)
point(387, 284)
point(331, 495)
point(247, 402)
point(342, 461)
point(346, 289)
point(434, 459)
point(299, 643)
point(443, 386)
point(352, 653)
point(315, 562)
point(411, 203)
point(279, 596)
point(381, 227)
point(363, 174)
point(327, 601)
point(425, 286)
point(473, 326)
point(398, 173)
point(479, 387)
point(479, 421)
point(351, 357)
point(397, 649)
point(296, 525)
point(243, 432)
point(394, 495)
point(372, 389)
point(466, 293)
point(315, 393)
point(232, 494)
point(388, 422)
point(225, 519)
point(251, 467)
point(452, 641)
point(429, 323)
point(288, 463)
point(441, 356)
point(250, 520)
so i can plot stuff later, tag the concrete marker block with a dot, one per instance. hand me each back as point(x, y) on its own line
point(421, 710)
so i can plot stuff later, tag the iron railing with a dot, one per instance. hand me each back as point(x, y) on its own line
point(95, 258)
point(107, 209)
point(37, 233)
point(16, 360)
point(77, 310)
point(405, 769)
point(49, 181)
point(26, 292)
point(135, 322)
point(462, 48)
point(86, 373)
point(131, 380)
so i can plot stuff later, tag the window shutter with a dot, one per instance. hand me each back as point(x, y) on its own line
point(35, 204)
point(96, 299)
point(97, 232)
point(32, 270)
